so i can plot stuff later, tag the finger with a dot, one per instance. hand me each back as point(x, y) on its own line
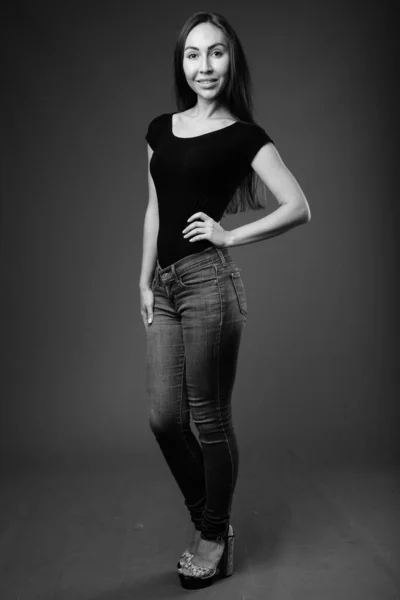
point(149, 315)
point(200, 230)
point(198, 237)
point(198, 215)
point(193, 226)
point(197, 224)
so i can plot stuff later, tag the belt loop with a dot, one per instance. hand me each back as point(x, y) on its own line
point(221, 255)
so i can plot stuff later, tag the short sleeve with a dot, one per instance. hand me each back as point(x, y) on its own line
point(256, 138)
point(154, 131)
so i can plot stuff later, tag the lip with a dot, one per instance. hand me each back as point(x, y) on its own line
point(207, 83)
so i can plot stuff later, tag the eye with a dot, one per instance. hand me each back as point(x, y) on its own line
point(193, 54)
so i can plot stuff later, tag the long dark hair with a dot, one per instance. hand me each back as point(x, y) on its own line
point(236, 96)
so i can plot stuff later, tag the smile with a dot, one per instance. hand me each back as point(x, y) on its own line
point(207, 82)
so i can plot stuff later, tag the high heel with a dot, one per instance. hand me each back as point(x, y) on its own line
point(193, 577)
point(185, 558)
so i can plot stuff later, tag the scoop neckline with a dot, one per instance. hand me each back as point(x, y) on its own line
point(193, 137)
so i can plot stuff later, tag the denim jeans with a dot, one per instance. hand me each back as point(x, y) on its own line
point(200, 311)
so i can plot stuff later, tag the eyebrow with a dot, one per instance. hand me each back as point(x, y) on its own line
point(212, 46)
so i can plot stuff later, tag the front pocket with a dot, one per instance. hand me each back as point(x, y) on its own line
point(202, 277)
point(240, 292)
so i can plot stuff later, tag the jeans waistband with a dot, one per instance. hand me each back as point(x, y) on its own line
point(210, 255)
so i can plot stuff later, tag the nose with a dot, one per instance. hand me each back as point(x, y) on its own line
point(205, 64)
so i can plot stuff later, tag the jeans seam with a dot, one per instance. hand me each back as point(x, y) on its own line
point(240, 302)
point(197, 285)
point(181, 420)
point(219, 403)
point(198, 267)
point(180, 413)
point(206, 262)
point(222, 425)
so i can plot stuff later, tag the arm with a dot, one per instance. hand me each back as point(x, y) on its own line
point(150, 232)
point(293, 211)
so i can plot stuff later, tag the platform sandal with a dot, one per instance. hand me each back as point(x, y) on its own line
point(185, 558)
point(193, 577)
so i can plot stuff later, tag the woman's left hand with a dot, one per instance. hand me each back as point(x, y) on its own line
point(205, 228)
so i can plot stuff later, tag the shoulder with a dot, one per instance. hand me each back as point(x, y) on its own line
point(159, 121)
point(156, 127)
point(253, 130)
point(160, 118)
point(252, 138)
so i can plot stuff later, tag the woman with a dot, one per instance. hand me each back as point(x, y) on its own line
point(204, 161)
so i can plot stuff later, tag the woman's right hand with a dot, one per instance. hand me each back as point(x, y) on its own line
point(146, 305)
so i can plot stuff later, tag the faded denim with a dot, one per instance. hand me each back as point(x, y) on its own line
point(200, 311)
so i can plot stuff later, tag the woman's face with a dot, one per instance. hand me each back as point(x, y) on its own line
point(206, 57)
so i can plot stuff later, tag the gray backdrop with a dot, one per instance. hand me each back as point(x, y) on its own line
point(81, 81)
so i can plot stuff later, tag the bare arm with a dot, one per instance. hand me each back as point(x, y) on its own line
point(150, 232)
point(293, 210)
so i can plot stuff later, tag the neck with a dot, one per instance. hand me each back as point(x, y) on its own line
point(205, 109)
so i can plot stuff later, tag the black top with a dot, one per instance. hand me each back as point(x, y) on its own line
point(195, 174)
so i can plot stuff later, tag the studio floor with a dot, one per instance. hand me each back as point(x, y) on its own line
point(114, 531)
